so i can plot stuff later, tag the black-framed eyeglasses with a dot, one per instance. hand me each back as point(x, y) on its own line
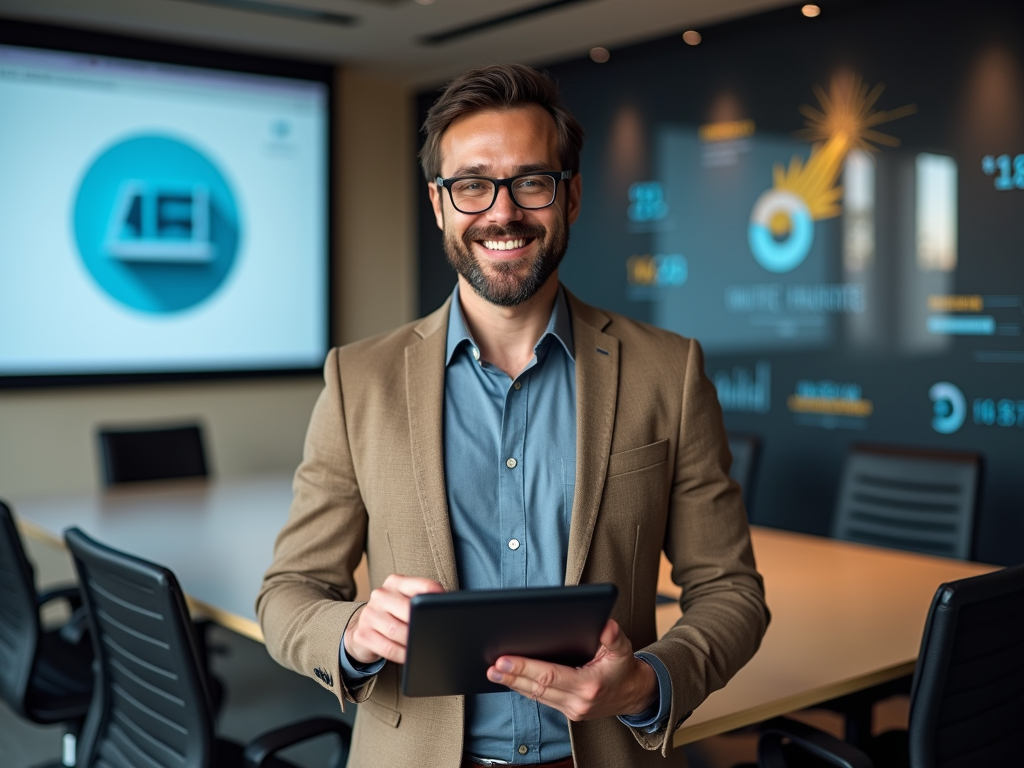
point(475, 194)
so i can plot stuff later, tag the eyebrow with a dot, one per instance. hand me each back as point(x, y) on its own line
point(519, 170)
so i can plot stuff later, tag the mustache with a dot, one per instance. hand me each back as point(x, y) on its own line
point(514, 229)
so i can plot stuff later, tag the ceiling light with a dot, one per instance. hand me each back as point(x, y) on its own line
point(425, 2)
point(600, 55)
point(810, 10)
point(691, 37)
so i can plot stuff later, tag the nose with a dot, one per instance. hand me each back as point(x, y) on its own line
point(504, 208)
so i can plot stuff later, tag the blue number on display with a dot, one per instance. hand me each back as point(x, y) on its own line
point(1005, 412)
point(664, 269)
point(672, 269)
point(1008, 171)
point(1003, 180)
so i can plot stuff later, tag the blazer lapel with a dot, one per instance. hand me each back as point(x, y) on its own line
point(424, 382)
point(597, 386)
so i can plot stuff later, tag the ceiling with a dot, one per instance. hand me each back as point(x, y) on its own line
point(387, 37)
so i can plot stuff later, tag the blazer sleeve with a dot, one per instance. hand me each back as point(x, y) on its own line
point(707, 540)
point(307, 596)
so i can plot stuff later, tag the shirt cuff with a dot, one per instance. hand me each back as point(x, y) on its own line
point(653, 719)
point(355, 673)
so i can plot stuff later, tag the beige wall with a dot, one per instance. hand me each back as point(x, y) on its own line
point(376, 193)
point(47, 442)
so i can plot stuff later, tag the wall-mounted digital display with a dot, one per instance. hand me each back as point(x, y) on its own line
point(159, 218)
point(834, 207)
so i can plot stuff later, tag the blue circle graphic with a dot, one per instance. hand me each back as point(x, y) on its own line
point(780, 255)
point(949, 407)
point(156, 224)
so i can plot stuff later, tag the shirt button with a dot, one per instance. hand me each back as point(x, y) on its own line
point(511, 463)
point(476, 353)
point(514, 545)
point(517, 385)
point(523, 749)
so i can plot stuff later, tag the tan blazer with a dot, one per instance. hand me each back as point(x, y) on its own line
point(652, 463)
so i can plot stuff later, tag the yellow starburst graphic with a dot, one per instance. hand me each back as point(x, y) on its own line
point(845, 122)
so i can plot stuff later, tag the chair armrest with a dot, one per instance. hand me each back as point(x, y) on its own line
point(820, 744)
point(264, 746)
point(69, 593)
point(76, 629)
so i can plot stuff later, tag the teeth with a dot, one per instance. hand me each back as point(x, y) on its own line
point(503, 245)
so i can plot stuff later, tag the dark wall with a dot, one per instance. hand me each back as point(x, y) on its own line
point(913, 272)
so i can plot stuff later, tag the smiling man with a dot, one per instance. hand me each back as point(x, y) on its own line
point(516, 437)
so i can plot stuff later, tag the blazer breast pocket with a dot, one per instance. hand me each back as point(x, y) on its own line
point(634, 495)
point(636, 459)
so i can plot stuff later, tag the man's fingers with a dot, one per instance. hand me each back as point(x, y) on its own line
point(381, 627)
point(615, 640)
point(392, 597)
point(388, 602)
point(384, 646)
point(606, 685)
point(528, 676)
point(389, 617)
point(570, 691)
point(545, 694)
point(410, 586)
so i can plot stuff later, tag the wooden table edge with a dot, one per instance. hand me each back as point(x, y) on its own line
point(687, 734)
point(198, 608)
point(226, 619)
point(31, 530)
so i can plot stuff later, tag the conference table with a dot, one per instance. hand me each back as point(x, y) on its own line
point(217, 536)
point(844, 616)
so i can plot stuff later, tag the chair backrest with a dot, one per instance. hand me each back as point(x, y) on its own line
point(19, 615)
point(158, 453)
point(745, 451)
point(150, 706)
point(967, 699)
point(913, 500)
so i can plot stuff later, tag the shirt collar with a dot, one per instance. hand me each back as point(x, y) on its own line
point(559, 326)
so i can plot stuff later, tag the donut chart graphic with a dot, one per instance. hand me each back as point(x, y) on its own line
point(781, 229)
point(788, 252)
point(949, 407)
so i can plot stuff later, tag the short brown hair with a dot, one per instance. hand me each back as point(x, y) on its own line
point(499, 86)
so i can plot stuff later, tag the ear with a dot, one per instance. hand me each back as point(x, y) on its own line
point(435, 200)
point(575, 193)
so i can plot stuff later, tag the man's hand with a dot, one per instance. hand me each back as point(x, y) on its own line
point(380, 629)
point(614, 682)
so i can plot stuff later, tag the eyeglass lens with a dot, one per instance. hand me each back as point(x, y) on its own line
point(472, 195)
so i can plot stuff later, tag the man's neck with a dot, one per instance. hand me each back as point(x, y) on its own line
point(507, 335)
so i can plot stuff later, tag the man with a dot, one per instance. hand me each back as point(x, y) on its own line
point(515, 437)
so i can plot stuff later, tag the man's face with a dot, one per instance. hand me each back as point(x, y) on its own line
point(506, 253)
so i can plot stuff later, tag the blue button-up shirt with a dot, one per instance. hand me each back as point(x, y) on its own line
point(510, 473)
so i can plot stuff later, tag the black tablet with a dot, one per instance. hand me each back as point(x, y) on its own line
point(454, 637)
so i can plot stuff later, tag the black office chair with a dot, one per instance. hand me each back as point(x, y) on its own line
point(45, 675)
point(967, 697)
point(922, 501)
point(141, 454)
point(746, 451)
point(131, 455)
point(151, 705)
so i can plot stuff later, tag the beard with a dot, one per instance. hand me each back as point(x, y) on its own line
point(504, 283)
